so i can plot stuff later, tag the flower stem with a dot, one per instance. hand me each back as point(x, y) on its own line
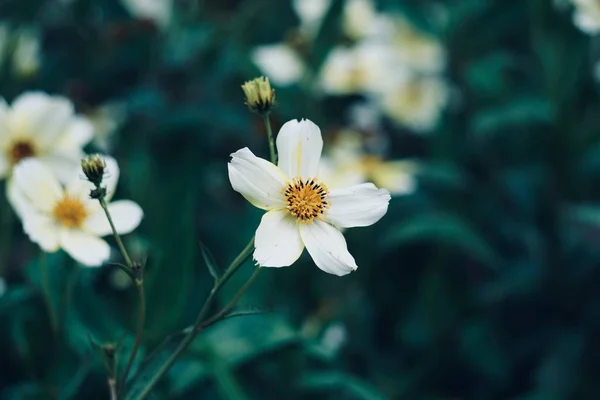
point(139, 284)
point(112, 386)
point(271, 139)
point(193, 330)
point(47, 292)
point(115, 234)
point(221, 314)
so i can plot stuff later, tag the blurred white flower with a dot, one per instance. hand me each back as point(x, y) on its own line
point(347, 164)
point(159, 11)
point(66, 217)
point(414, 49)
point(364, 68)
point(416, 101)
point(106, 120)
point(311, 14)
point(280, 62)
point(360, 18)
point(587, 15)
point(26, 53)
point(44, 127)
point(301, 210)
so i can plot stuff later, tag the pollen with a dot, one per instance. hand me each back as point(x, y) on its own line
point(21, 149)
point(70, 212)
point(306, 199)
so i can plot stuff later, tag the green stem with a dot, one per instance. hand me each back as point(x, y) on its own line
point(115, 234)
point(47, 292)
point(193, 330)
point(221, 314)
point(271, 139)
point(138, 335)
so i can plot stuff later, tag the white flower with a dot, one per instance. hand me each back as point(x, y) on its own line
point(280, 63)
point(106, 120)
point(359, 18)
point(416, 101)
point(415, 49)
point(44, 127)
point(301, 210)
point(159, 11)
point(587, 15)
point(57, 217)
point(364, 68)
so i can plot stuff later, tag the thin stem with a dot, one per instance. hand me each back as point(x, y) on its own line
point(221, 314)
point(271, 139)
point(138, 335)
point(47, 292)
point(115, 234)
point(193, 330)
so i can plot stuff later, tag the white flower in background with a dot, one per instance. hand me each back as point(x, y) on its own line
point(415, 49)
point(416, 101)
point(26, 53)
point(57, 217)
point(159, 11)
point(364, 68)
point(347, 164)
point(301, 210)
point(44, 127)
point(587, 15)
point(311, 14)
point(280, 62)
point(360, 18)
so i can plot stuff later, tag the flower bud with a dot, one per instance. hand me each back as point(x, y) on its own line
point(260, 98)
point(93, 168)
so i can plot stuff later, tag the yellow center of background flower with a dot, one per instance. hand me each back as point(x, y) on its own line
point(306, 199)
point(21, 149)
point(70, 212)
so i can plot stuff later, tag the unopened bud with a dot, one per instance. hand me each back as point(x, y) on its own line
point(260, 97)
point(93, 168)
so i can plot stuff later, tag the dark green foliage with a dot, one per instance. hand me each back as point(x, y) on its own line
point(483, 284)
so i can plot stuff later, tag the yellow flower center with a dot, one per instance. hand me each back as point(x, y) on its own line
point(70, 212)
point(306, 199)
point(21, 149)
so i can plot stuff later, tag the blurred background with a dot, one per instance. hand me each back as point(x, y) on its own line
point(480, 116)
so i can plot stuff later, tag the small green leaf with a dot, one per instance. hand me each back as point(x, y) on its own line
point(210, 261)
point(337, 382)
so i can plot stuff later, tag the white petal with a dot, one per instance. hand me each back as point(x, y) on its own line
point(360, 205)
point(38, 184)
point(327, 247)
point(111, 176)
point(396, 176)
point(42, 230)
point(299, 144)
point(17, 199)
point(85, 248)
point(78, 133)
point(41, 116)
point(258, 180)
point(278, 242)
point(63, 166)
point(126, 216)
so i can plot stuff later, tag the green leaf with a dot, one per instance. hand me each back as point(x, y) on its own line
point(443, 228)
point(210, 261)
